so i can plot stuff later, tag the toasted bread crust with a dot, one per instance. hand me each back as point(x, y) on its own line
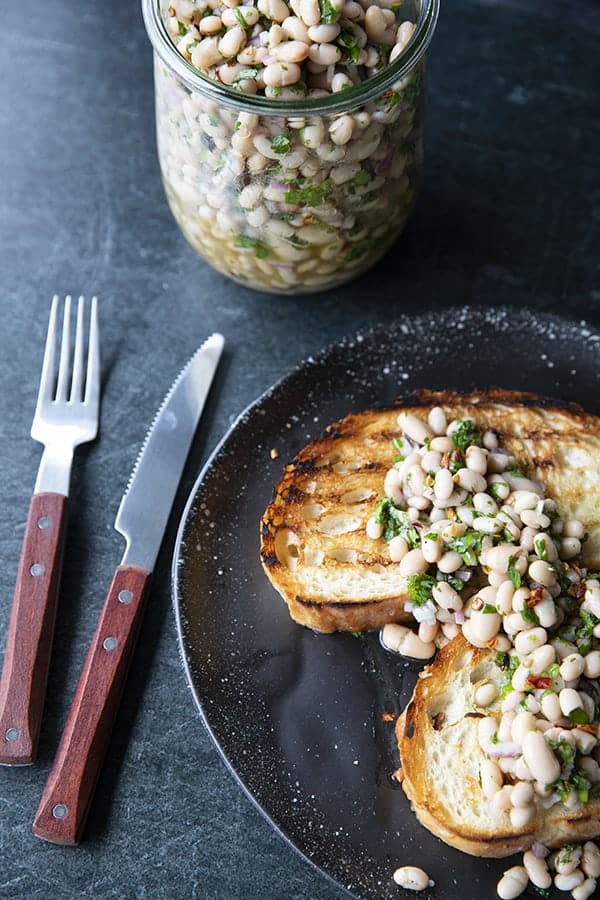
point(419, 741)
point(557, 443)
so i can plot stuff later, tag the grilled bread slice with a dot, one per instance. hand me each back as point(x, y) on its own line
point(441, 758)
point(314, 547)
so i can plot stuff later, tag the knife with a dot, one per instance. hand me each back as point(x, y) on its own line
point(141, 519)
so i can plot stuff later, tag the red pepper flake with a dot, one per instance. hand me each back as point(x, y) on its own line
point(541, 682)
point(536, 596)
point(387, 717)
point(445, 463)
point(577, 590)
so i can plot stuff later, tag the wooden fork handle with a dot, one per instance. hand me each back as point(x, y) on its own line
point(67, 797)
point(31, 629)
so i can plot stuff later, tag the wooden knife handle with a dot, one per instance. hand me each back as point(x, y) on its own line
point(67, 797)
point(31, 629)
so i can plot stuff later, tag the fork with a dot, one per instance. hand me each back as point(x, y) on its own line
point(66, 415)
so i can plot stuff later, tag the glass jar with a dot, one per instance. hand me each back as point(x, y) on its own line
point(290, 196)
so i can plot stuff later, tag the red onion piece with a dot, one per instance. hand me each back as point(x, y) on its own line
point(504, 749)
point(459, 617)
point(539, 851)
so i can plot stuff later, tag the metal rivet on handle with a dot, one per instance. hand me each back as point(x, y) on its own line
point(110, 643)
point(60, 811)
point(37, 569)
point(43, 522)
point(125, 596)
point(11, 734)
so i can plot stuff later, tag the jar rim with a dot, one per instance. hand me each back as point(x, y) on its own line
point(343, 101)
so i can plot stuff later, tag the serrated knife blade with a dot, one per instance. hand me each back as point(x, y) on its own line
point(141, 519)
point(147, 501)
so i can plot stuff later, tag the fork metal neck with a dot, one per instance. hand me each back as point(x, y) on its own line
point(54, 473)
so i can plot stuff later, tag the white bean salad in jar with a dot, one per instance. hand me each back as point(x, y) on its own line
point(281, 200)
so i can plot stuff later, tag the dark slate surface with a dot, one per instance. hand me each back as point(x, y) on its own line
point(510, 212)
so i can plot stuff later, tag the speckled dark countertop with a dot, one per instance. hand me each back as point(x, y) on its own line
point(510, 213)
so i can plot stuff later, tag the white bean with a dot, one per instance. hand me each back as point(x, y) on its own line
point(411, 878)
point(290, 52)
point(573, 528)
point(522, 723)
point(572, 667)
point(537, 869)
point(276, 10)
point(487, 525)
point(539, 758)
point(542, 572)
point(443, 484)
point(567, 859)
point(398, 548)
point(585, 890)
point(392, 486)
point(551, 707)
point(485, 504)
point(569, 546)
point(520, 816)
point(569, 882)
point(592, 665)
point(535, 519)
point(374, 529)
point(281, 74)
point(485, 694)
point(437, 421)
point(323, 34)
point(513, 883)
point(569, 700)
point(309, 12)
point(431, 548)
point(392, 635)
point(590, 860)
point(431, 461)
point(206, 53)
point(413, 646)
point(491, 778)
point(413, 563)
point(414, 428)
point(542, 658)
point(471, 481)
point(428, 633)
point(450, 562)
point(484, 626)
point(476, 460)
point(527, 641)
point(442, 444)
point(446, 597)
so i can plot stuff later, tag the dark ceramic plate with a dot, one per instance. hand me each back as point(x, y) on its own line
point(297, 716)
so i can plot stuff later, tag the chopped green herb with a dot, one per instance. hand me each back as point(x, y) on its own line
point(314, 195)
point(580, 635)
point(431, 536)
point(329, 12)
point(281, 142)
point(578, 716)
point(513, 574)
point(356, 634)
point(244, 75)
point(564, 751)
point(528, 614)
point(465, 434)
point(540, 547)
point(502, 660)
point(494, 738)
point(361, 178)
point(457, 583)
point(468, 545)
point(488, 609)
point(347, 40)
point(181, 29)
point(420, 587)
point(398, 444)
point(494, 489)
point(240, 17)
point(260, 250)
point(507, 688)
point(396, 523)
